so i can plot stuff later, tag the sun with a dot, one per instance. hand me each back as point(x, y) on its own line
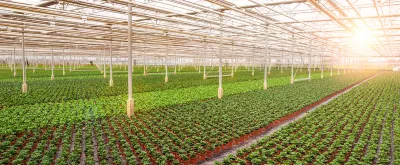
point(362, 36)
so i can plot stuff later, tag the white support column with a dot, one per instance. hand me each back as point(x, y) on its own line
point(322, 66)
point(265, 85)
point(252, 67)
point(291, 74)
point(111, 66)
point(220, 89)
point(331, 68)
point(35, 64)
point(166, 69)
point(345, 63)
point(309, 66)
point(24, 85)
point(205, 60)
point(130, 103)
point(145, 61)
point(309, 61)
point(165, 60)
point(158, 68)
point(338, 69)
point(175, 62)
point(52, 64)
point(70, 61)
point(199, 61)
point(282, 62)
point(63, 62)
point(232, 67)
point(269, 63)
point(104, 64)
point(15, 71)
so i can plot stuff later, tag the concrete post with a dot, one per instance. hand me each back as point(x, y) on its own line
point(291, 74)
point(232, 67)
point(205, 61)
point(165, 60)
point(130, 103)
point(35, 64)
point(104, 64)
point(24, 85)
point(265, 85)
point(322, 67)
point(70, 61)
point(111, 66)
point(52, 64)
point(220, 89)
point(63, 62)
point(15, 71)
point(252, 67)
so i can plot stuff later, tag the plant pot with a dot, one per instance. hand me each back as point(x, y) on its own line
point(217, 150)
point(241, 139)
point(185, 162)
point(204, 156)
point(229, 145)
point(193, 160)
point(208, 154)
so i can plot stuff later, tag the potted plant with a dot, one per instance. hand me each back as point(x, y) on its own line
point(210, 149)
point(184, 158)
point(193, 158)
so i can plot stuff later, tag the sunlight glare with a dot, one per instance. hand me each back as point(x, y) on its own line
point(363, 36)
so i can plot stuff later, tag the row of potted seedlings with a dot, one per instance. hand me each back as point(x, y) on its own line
point(330, 135)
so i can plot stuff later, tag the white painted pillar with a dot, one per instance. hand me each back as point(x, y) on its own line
point(270, 63)
point(322, 67)
point(252, 67)
point(220, 89)
point(24, 85)
point(232, 67)
point(309, 65)
point(345, 63)
point(63, 62)
point(338, 70)
point(265, 85)
point(70, 61)
point(291, 74)
point(35, 64)
point(104, 64)
point(52, 64)
point(146, 62)
point(282, 62)
point(205, 60)
point(165, 60)
point(111, 66)
point(15, 71)
point(130, 103)
point(331, 69)
point(175, 62)
point(45, 61)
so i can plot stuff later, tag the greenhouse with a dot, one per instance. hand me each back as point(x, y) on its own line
point(170, 82)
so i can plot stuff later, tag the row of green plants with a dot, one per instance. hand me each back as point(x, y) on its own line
point(179, 134)
point(19, 118)
point(86, 87)
point(43, 74)
point(355, 128)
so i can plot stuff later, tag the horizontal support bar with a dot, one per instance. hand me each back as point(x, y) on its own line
point(303, 79)
point(218, 75)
